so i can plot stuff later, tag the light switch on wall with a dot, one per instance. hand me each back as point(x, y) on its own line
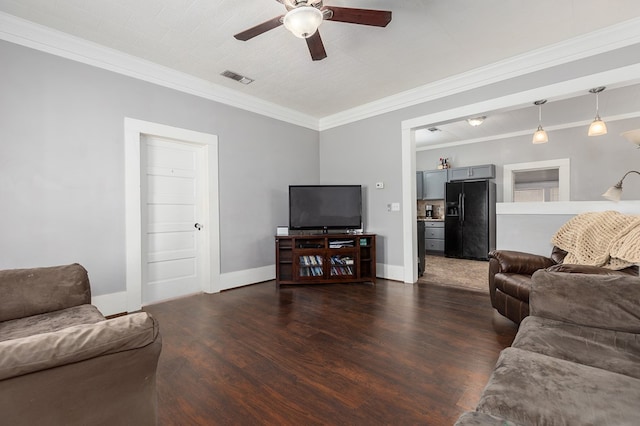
point(395, 207)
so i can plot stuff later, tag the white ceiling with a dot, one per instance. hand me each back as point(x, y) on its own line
point(426, 41)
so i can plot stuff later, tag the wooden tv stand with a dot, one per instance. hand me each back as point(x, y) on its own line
point(326, 258)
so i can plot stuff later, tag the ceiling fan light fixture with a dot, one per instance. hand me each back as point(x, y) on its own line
point(303, 21)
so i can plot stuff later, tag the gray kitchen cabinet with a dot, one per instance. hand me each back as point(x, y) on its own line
point(434, 236)
point(433, 182)
point(419, 185)
point(485, 171)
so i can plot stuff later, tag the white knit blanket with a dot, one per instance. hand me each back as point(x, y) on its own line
point(608, 239)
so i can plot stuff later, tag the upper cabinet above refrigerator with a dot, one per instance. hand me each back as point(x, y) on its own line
point(433, 184)
point(430, 184)
point(485, 171)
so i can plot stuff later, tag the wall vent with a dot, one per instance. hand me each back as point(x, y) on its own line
point(237, 77)
point(434, 129)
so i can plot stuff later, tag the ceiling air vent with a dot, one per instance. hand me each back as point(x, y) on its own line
point(237, 77)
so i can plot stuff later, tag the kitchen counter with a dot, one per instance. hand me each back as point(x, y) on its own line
point(430, 219)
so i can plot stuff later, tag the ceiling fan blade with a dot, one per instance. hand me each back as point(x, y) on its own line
point(259, 29)
point(316, 48)
point(376, 18)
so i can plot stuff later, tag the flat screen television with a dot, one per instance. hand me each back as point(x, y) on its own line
point(325, 207)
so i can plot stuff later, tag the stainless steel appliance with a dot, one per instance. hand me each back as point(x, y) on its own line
point(470, 219)
point(429, 210)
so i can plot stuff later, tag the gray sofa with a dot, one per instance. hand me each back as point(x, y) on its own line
point(63, 363)
point(574, 361)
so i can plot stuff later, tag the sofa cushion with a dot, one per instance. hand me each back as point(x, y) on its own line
point(77, 343)
point(602, 301)
point(534, 389)
point(50, 321)
point(515, 285)
point(607, 349)
point(588, 269)
point(33, 291)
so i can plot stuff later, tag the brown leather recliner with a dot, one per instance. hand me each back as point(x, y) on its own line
point(510, 277)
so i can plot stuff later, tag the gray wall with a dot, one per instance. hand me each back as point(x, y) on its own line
point(376, 142)
point(596, 162)
point(534, 238)
point(62, 161)
point(62, 165)
point(365, 154)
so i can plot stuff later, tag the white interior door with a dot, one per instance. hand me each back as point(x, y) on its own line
point(173, 200)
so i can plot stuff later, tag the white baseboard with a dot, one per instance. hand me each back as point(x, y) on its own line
point(390, 272)
point(230, 280)
point(116, 303)
point(110, 304)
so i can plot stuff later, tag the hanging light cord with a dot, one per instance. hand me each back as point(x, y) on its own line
point(596, 91)
point(540, 103)
point(540, 114)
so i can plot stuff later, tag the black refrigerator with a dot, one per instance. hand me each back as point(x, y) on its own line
point(470, 219)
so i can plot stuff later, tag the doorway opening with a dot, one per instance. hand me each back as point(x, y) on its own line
point(565, 88)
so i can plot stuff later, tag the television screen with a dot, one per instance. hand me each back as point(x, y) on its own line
point(325, 207)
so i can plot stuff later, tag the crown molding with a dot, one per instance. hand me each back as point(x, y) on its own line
point(39, 37)
point(610, 38)
point(45, 39)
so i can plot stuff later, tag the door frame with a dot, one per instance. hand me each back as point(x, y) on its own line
point(408, 144)
point(134, 131)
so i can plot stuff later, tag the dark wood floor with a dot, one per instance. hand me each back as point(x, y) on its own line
point(358, 354)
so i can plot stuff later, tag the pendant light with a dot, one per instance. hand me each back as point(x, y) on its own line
point(540, 136)
point(597, 127)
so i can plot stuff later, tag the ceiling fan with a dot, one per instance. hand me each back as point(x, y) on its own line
point(304, 16)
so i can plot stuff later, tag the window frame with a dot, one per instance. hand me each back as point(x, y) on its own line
point(564, 176)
